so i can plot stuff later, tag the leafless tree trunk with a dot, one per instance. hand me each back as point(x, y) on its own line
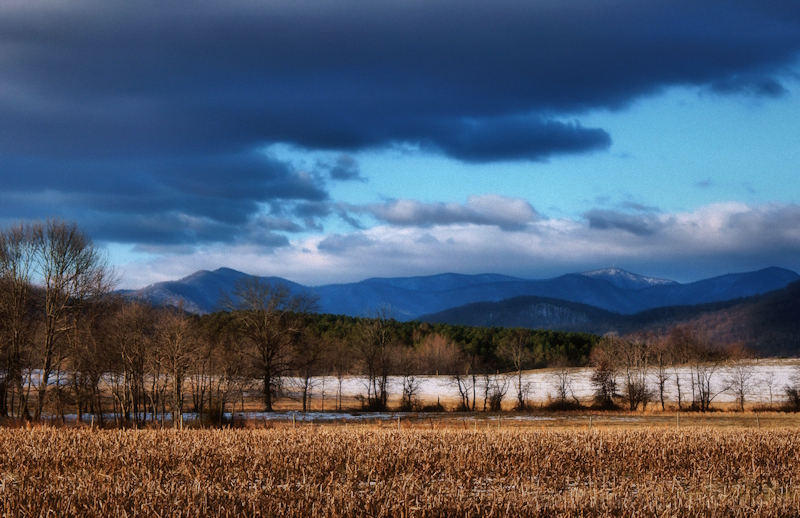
point(514, 349)
point(741, 374)
point(310, 353)
point(682, 343)
point(177, 353)
point(222, 370)
point(562, 379)
point(769, 382)
point(132, 330)
point(660, 354)
point(88, 348)
point(495, 389)
point(703, 366)
point(603, 379)
point(72, 272)
point(465, 378)
point(373, 350)
point(407, 362)
point(341, 364)
point(227, 363)
point(633, 359)
point(268, 317)
point(18, 252)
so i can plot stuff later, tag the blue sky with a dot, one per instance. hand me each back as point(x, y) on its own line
point(331, 142)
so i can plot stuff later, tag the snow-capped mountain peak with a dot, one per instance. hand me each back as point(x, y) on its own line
point(624, 279)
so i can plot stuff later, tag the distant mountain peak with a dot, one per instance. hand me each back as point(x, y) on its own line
point(625, 279)
point(199, 274)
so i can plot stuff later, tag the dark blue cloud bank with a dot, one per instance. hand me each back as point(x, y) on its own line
point(144, 119)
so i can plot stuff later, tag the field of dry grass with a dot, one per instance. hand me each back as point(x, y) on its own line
point(367, 471)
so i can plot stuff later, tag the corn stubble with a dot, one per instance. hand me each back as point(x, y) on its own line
point(374, 472)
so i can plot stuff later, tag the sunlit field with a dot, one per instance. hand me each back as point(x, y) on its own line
point(372, 470)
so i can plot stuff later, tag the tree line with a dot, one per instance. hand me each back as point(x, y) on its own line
point(638, 369)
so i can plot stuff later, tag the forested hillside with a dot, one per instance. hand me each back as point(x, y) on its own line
point(767, 324)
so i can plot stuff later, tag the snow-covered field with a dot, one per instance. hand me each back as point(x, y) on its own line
point(767, 382)
point(765, 385)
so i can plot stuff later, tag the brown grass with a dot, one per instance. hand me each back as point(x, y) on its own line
point(364, 471)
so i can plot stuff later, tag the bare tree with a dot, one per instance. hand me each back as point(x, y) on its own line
point(309, 354)
point(438, 355)
point(227, 366)
point(158, 383)
point(341, 365)
point(792, 390)
point(494, 390)
point(741, 374)
point(769, 382)
point(604, 376)
point(176, 353)
point(268, 316)
point(18, 252)
point(72, 272)
point(660, 353)
point(682, 342)
point(514, 349)
point(201, 377)
point(372, 347)
point(628, 358)
point(465, 378)
point(89, 345)
point(132, 330)
point(704, 364)
point(562, 379)
point(633, 356)
point(441, 356)
point(407, 366)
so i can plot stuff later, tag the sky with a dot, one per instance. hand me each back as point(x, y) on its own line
point(328, 142)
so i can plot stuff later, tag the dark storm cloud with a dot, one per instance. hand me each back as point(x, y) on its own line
point(150, 109)
point(312, 209)
point(161, 201)
point(339, 244)
point(163, 232)
point(511, 139)
point(268, 223)
point(88, 78)
point(755, 86)
point(638, 224)
point(345, 168)
point(638, 207)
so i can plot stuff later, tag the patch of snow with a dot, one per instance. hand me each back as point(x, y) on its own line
point(542, 384)
point(625, 279)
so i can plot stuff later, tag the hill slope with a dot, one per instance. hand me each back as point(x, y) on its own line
point(768, 324)
point(200, 292)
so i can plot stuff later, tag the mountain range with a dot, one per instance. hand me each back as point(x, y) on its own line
point(612, 289)
point(760, 309)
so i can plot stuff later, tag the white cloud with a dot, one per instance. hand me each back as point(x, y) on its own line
point(493, 210)
point(712, 240)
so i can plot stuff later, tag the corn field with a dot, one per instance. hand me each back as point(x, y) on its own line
point(377, 472)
